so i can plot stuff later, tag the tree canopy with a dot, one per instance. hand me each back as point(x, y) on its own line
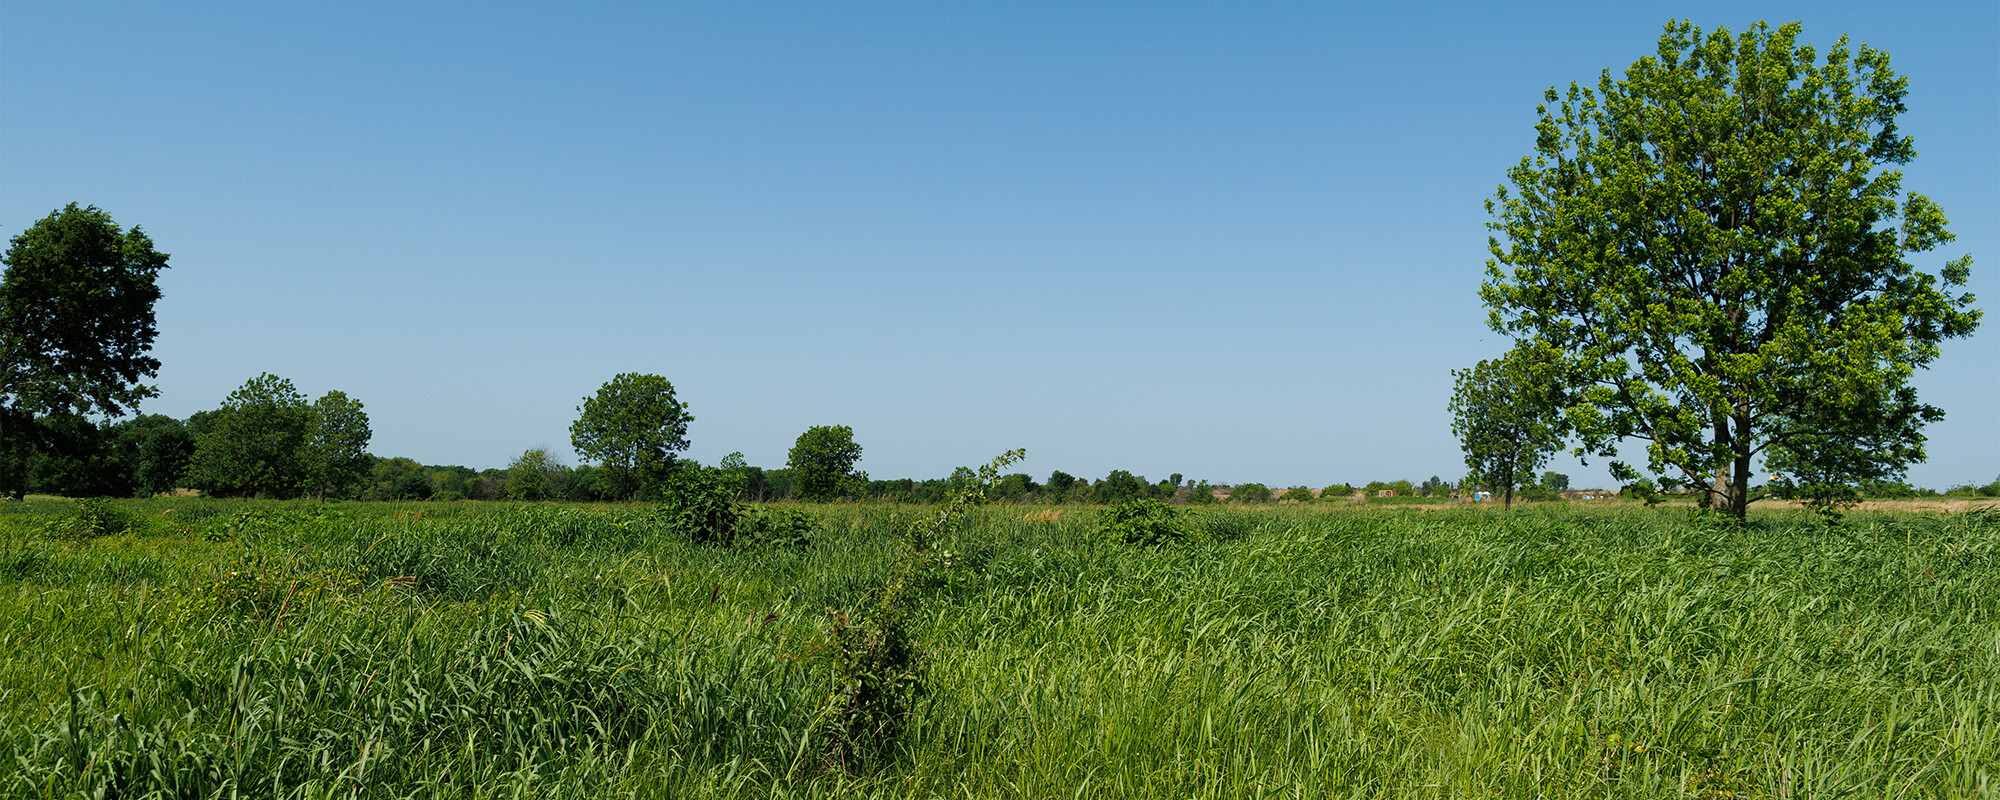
point(822, 461)
point(76, 325)
point(257, 444)
point(1716, 247)
point(633, 426)
point(339, 446)
point(1503, 411)
point(266, 441)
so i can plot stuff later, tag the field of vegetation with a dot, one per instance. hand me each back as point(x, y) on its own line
point(209, 648)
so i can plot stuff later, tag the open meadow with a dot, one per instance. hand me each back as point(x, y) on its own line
point(235, 648)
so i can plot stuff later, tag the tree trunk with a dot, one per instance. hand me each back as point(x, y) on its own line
point(1739, 495)
point(1731, 490)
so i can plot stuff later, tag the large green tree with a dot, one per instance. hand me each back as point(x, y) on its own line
point(76, 326)
point(257, 444)
point(1717, 245)
point(822, 461)
point(633, 426)
point(1504, 413)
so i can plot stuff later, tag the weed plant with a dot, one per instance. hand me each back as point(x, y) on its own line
point(486, 650)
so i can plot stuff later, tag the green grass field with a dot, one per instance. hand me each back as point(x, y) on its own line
point(225, 649)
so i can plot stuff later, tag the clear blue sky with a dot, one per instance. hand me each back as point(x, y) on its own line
point(1236, 241)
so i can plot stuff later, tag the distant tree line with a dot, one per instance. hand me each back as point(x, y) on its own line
point(77, 326)
point(267, 441)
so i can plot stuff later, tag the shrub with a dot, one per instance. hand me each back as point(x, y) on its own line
point(1537, 492)
point(701, 505)
point(1250, 493)
point(1641, 489)
point(93, 517)
point(1299, 494)
point(877, 666)
point(1144, 521)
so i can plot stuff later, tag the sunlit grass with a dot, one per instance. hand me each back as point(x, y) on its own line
point(489, 650)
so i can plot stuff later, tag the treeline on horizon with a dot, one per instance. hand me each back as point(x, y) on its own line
point(153, 454)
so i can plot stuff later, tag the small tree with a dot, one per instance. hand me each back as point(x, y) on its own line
point(1503, 413)
point(533, 475)
point(822, 461)
point(1201, 494)
point(633, 426)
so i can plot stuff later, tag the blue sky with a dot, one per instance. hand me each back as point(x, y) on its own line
point(1236, 241)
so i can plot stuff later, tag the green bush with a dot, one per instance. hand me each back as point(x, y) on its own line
point(1250, 493)
point(702, 506)
point(1641, 489)
point(1144, 521)
point(93, 517)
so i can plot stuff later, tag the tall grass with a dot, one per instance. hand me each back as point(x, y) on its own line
point(469, 650)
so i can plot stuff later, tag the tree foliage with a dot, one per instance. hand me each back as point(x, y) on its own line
point(1716, 244)
point(1118, 487)
point(633, 427)
point(68, 455)
point(158, 449)
point(338, 449)
point(1503, 412)
point(76, 326)
point(822, 461)
point(535, 474)
point(257, 444)
point(266, 441)
point(1250, 493)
